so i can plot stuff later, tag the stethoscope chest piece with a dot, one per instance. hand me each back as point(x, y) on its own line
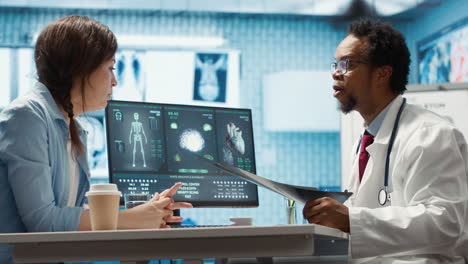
point(383, 194)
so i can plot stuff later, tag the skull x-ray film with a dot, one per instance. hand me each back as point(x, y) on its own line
point(151, 146)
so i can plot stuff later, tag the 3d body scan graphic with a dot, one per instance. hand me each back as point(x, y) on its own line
point(137, 132)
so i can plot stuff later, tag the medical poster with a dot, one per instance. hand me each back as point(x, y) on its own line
point(193, 78)
point(452, 105)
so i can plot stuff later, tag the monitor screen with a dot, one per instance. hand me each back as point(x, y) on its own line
point(151, 146)
point(442, 57)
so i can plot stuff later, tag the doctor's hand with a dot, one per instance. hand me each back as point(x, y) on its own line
point(327, 212)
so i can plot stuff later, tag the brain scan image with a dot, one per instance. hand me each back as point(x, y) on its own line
point(118, 116)
point(191, 140)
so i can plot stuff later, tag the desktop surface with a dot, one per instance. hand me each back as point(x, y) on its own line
point(151, 146)
point(165, 233)
point(185, 243)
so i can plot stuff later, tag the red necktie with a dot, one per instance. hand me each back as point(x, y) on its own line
point(367, 139)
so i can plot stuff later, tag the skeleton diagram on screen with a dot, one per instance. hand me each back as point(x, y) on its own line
point(234, 142)
point(209, 87)
point(137, 131)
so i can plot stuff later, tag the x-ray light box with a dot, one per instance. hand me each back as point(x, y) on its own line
point(300, 101)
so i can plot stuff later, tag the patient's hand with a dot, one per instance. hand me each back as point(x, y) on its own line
point(155, 213)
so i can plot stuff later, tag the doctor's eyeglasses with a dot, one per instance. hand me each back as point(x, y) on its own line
point(341, 67)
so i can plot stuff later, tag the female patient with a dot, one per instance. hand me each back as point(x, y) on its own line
point(43, 169)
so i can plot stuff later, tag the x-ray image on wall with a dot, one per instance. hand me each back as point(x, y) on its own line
point(96, 146)
point(210, 77)
point(137, 140)
point(129, 71)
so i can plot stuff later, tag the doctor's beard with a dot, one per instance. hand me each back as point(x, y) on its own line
point(348, 105)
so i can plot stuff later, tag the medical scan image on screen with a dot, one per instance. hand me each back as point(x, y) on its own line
point(152, 146)
point(190, 132)
point(137, 139)
point(235, 139)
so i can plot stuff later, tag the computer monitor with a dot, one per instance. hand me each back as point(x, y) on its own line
point(151, 146)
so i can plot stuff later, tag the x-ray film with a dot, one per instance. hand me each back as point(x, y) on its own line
point(300, 194)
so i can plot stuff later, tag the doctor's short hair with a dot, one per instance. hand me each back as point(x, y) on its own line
point(386, 47)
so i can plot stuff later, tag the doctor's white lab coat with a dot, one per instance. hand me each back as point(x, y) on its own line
point(426, 219)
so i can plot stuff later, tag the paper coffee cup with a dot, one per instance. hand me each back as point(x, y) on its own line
point(103, 202)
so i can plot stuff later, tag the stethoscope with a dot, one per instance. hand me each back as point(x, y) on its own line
point(383, 193)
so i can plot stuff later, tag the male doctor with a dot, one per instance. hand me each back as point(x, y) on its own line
point(419, 214)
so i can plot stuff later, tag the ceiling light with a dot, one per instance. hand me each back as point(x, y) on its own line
point(324, 8)
point(169, 41)
point(388, 8)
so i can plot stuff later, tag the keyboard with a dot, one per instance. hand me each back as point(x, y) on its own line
point(237, 221)
point(197, 226)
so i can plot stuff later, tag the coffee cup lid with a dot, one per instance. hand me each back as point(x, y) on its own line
point(103, 188)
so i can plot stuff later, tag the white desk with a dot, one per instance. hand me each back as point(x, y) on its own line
point(177, 243)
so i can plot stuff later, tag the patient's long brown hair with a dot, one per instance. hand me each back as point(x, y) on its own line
point(68, 49)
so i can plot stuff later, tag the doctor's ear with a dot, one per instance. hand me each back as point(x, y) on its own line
point(384, 73)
